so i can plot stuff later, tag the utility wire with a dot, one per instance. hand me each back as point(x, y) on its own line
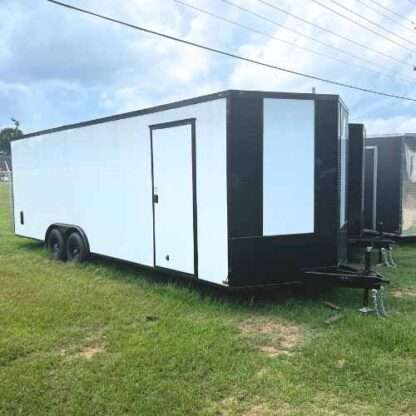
point(250, 29)
point(313, 39)
point(268, 35)
point(338, 35)
point(401, 16)
point(375, 32)
point(372, 22)
point(396, 20)
point(230, 54)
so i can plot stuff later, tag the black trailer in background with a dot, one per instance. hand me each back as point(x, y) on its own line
point(363, 232)
point(391, 184)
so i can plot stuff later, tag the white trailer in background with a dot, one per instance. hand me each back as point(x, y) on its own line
point(238, 189)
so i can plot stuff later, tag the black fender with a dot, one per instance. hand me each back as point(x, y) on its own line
point(67, 229)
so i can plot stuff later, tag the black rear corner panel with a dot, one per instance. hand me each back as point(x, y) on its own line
point(257, 260)
point(245, 167)
point(356, 179)
point(388, 197)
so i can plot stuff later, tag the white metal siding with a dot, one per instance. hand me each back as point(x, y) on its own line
point(99, 178)
point(288, 166)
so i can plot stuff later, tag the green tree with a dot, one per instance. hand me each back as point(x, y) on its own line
point(8, 134)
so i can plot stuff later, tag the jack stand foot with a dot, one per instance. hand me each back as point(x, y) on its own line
point(366, 310)
point(390, 257)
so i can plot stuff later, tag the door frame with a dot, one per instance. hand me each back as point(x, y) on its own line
point(374, 151)
point(185, 122)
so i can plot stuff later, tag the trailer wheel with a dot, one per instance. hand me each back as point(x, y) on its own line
point(76, 250)
point(56, 244)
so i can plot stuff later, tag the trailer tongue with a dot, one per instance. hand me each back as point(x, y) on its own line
point(366, 278)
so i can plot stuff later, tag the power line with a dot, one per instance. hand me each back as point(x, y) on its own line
point(372, 22)
point(396, 20)
point(338, 35)
point(401, 16)
point(230, 54)
point(336, 12)
point(248, 28)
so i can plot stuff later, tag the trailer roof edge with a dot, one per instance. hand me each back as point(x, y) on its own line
point(390, 136)
point(181, 103)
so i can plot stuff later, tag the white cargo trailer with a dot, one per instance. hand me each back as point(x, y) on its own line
point(236, 188)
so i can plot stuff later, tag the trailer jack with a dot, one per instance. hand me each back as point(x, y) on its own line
point(390, 257)
point(379, 240)
point(380, 243)
point(383, 257)
point(377, 296)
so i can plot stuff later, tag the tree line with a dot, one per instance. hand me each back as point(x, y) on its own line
point(7, 135)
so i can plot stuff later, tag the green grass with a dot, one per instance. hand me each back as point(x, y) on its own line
point(194, 359)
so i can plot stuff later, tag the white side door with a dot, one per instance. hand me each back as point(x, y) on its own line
point(173, 196)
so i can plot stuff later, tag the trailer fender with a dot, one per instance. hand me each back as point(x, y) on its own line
point(67, 229)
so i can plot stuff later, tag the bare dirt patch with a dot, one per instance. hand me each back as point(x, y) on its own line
point(403, 292)
point(271, 337)
point(263, 409)
point(259, 410)
point(88, 350)
point(234, 406)
point(329, 404)
point(91, 351)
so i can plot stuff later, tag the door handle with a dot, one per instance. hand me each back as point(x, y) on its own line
point(155, 198)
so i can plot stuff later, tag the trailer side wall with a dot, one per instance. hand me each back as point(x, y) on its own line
point(99, 178)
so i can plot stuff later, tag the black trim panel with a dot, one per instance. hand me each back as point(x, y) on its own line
point(356, 166)
point(245, 166)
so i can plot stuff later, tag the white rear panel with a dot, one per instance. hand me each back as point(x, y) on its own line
point(99, 178)
point(174, 209)
point(288, 167)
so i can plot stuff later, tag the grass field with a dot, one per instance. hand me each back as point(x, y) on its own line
point(105, 338)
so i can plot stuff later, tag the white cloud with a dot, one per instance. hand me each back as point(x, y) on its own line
point(398, 124)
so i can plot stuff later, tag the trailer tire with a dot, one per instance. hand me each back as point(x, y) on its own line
point(55, 243)
point(76, 249)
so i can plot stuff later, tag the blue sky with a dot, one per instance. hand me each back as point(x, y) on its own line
point(59, 67)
